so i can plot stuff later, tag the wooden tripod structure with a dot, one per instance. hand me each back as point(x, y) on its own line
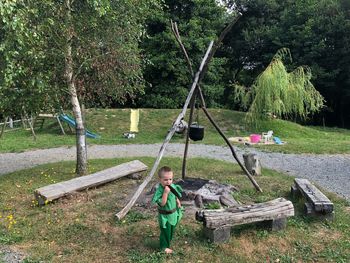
point(190, 100)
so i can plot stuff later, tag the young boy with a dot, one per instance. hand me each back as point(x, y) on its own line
point(169, 207)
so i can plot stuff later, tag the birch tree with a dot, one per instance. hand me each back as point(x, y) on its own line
point(89, 49)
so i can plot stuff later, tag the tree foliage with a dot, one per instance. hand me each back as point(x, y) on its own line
point(166, 71)
point(277, 92)
point(24, 77)
point(110, 68)
point(106, 54)
point(317, 34)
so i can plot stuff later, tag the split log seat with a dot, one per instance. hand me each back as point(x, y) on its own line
point(54, 191)
point(217, 223)
point(317, 204)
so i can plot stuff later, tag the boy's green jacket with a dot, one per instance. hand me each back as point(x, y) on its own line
point(173, 218)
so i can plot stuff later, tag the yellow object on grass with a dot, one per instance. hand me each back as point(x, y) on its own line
point(134, 120)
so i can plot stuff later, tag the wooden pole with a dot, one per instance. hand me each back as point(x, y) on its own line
point(187, 136)
point(30, 122)
point(3, 127)
point(23, 121)
point(59, 122)
point(189, 64)
point(218, 42)
point(257, 187)
point(205, 60)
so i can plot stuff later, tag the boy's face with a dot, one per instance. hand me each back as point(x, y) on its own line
point(166, 178)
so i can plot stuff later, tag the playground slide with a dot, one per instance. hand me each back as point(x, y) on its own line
point(71, 121)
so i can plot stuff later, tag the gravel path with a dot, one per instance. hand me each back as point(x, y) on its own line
point(330, 171)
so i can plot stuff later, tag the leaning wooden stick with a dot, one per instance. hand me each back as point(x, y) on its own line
point(188, 135)
point(189, 64)
point(30, 122)
point(176, 33)
point(126, 209)
point(257, 187)
point(222, 35)
point(3, 127)
point(218, 42)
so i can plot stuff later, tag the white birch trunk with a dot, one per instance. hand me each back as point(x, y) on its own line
point(81, 166)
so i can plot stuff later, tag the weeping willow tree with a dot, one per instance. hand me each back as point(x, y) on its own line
point(277, 92)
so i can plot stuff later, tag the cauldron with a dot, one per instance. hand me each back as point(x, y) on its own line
point(196, 132)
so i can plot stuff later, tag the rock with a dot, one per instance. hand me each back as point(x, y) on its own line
point(228, 200)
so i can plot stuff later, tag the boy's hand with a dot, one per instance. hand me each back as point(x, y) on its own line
point(166, 189)
point(165, 195)
point(178, 203)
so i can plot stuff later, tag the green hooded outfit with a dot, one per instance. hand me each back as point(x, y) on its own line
point(168, 215)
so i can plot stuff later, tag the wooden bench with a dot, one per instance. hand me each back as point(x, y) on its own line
point(218, 223)
point(317, 204)
point(54, 191)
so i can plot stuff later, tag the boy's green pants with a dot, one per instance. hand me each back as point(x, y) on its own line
point(166, 235)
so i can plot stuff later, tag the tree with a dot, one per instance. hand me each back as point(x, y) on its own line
point(317, 34)
point(166, 73)
point(88, 48)
point(24, 78)
point(277, 92)
point(101, 55)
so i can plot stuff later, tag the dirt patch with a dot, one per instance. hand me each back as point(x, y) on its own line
point(11, 255)
point(347, 209)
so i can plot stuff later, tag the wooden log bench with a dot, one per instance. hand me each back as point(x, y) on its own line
point(317, 204)
point(217, 223)
point(54, 191)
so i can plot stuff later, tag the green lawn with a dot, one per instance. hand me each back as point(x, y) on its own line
point(154, 124)
point(82, 228)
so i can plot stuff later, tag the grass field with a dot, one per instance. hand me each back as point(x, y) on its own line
point(82, 228)
point(154, 124)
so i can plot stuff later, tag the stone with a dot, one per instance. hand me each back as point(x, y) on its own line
point(278, 224)
point(135, 176)
point(228, 200)
point(218, 235)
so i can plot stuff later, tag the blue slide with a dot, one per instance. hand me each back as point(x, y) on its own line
point(71, 121)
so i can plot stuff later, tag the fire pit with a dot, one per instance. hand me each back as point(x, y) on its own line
point(201, 192)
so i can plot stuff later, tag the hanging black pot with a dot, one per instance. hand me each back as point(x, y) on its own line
point(196, 132)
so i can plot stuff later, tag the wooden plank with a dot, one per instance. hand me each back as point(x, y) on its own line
point(272, 210)
point(320, 202)
point(46, 115)
point(55, 191)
